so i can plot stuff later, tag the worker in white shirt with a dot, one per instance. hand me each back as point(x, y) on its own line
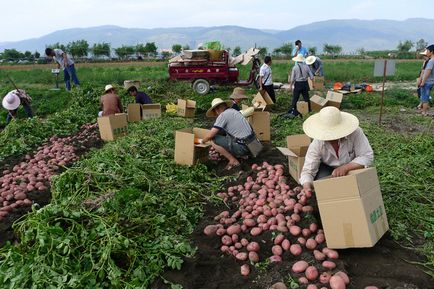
point(266, 78)
point(339, 146)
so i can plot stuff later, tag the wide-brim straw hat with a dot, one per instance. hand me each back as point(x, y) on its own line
point(247, 112)
point(108, 87)
point(238, 93)
point(216, 102)
point(424, 53)
point(299, 58)
point(310, 60)
point(330, 124)
point(11, 101)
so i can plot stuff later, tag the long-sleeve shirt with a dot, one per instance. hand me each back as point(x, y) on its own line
point(301, 72)
point(143, 98)
point(354, 148)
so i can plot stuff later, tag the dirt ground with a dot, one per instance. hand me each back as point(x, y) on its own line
point(387, 265)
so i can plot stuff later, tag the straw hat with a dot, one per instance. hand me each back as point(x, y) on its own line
point(330, 124)
point(298, 58)
point(238, 93)
point(310, 60)
point(108, 87)
point(216, 102)
point(11, 101)
point(247, 112)
point(423, 52)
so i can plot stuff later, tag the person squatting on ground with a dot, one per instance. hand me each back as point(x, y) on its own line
point(299, 81)
point(12, 101)
point(140, 96)
point(266, 78)
point(427, 80)
point(238, 94)
point(339, 146)
point(110, 102)
point(66, 64)
point(237, 129)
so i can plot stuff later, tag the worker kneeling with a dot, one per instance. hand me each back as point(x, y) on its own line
point(339, 146)
point(240, 139)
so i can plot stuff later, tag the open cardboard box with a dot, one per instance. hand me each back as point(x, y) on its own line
point(303, 107)
point(317, 103)
point(260, 122)
point(352, 210)
point(186, 107)
point(113, 126)
point(296, 150)
point(317, 84)
point(186, 151)
point(262, 101)
point(334, 99)
point(134, 111)
point(150, 111)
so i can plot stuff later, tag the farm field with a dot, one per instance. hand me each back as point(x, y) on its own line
point(123, 215)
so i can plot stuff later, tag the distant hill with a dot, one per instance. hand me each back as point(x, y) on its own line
point(350, 34)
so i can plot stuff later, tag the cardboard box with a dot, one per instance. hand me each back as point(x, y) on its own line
point(303, 107)
point(262, 101)
point(186, 108)
point(134, 111)
point(113, 126)
point(296, 149)
point(352, 210)
point(186, 151)
point(150, 111)
point(260, 122)
point(334, 99)
point(318, 83)
point(129, 83)
point(317, 103)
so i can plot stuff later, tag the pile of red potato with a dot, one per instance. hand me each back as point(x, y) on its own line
point(35, 172)
point(267, 203)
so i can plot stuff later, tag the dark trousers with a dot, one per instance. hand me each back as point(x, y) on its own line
point(323, 171)
point(270, 90)
point(27, 110)
point(300, 87)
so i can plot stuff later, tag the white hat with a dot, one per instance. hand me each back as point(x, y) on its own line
point(423, 52)
point(310, 60)
point(298, 58)
point(330, 124)
point(108, 87)
point(248, 111)
point(216, 102)
point(11, 101)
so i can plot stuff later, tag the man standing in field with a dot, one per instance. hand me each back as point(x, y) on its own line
point(110, 102)
point(298, 49)
point(266, 78)
point(67, 65)
point(140, 96)
point(427, 81)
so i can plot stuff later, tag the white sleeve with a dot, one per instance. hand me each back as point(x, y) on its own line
point(364, 155)
point(311, 162)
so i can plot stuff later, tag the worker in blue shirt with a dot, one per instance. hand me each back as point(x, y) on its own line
point(298, 49)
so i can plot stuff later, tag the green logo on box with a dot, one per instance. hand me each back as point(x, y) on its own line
point(376, 214)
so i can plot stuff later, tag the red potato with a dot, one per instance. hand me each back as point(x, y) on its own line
point(253, 256)
point(233, 229)
point(286, 245)
point(324, 278)
point(337, 282)
point(209, 230)
point(303, 280)
point(299, 266)
point(301, 241)
point(296, 217)
point(275, 258)
point(311, 286)
point(282, 229)
point(226, 240)
point(318, 255)
point(279, 239)
point(311, 244)
point(344, 276)
point(220, 231)
point(255, 231)
point(27, 202)
point(371, 287)
point(224, 249)
point(3, 213)
point(311, 273)
point(244, 242)
point(295, 230)
point(245, 270)
point(313, 227)
point(305, 232)
point(320, 238)
point(295, 249)
point(332, 254)
point(277, 250)
point(253, 246)
point(241, 256)
point(234, 238)
point(278, 285)
point(20, 196)
point(329, 265)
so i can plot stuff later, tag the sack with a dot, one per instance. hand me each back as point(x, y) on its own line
point(254, 145)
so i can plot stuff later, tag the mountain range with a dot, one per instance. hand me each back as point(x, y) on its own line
point(351, 34)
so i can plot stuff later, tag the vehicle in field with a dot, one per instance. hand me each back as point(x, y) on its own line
point(204, 68)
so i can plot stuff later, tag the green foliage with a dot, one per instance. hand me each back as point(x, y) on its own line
point(284, 50)
point(150, 49)
point(78, 48)
point(177, 48)
point(421, 44)
point(405, 46)
point(11, 54)
point(214, 45)
point(124, 51)
point(332, 50)
point(101, 49)
point(312, 50)
point(236, 51)
point(57, 45)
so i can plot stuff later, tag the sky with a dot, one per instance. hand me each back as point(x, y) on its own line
point(24, 19)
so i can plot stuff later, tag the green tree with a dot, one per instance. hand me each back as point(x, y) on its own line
point(28, 55)
point(151, 49)
point(332, 50)
point(11, 54)
point(277, 52)
point(286, 49)
point(361, 51)
point(101, 49)
point(404, 46)
point(57, 45)
point(236, 51)
point(165, 54)
point(140, 50)
point(177, 48)
point(312, 50)
point(263, 51)
point(186, 47)
point(36, 55)
point(78, 48)
point(124, 51)
point(421, 44)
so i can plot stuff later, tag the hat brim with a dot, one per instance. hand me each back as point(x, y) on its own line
point(238, 96)
point(314, 128)
point(298, 59)
point(11, 106)
point(310, 60)
point(211, 113)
